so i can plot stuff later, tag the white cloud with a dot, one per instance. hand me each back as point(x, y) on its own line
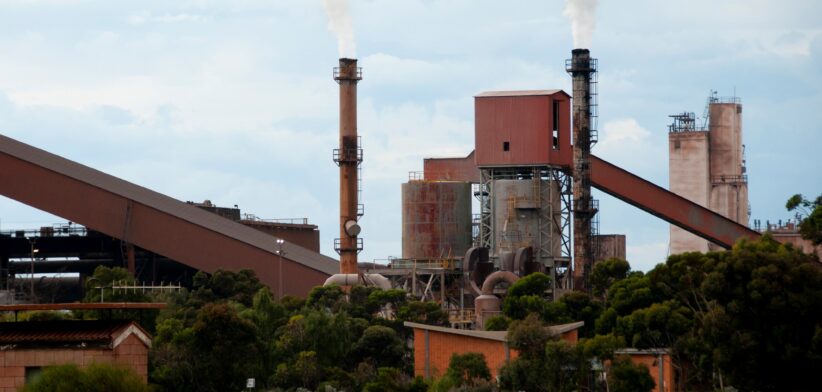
point(147, 17)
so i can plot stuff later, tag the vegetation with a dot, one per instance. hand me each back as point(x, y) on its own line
point(810, 214)
point(94, 378)
point(750, 318)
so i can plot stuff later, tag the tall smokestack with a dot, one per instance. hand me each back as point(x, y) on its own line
point(348, 157)
point(582, 67)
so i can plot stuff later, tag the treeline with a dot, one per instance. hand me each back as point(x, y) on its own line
point(750, 318)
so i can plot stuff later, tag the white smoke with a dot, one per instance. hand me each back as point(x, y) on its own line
point(339, 21)
point(581, 15)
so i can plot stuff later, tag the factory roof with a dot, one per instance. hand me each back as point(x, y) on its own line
point(519, 93)
point(165, 204)
point(69, 332)
point(501, 336)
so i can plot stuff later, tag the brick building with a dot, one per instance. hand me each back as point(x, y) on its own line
point(434, 346)
point(27, 347)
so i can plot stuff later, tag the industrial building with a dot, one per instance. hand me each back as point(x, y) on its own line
point(530, 173)
point(707, 166)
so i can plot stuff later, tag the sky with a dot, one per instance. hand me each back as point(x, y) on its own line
point(234, 101)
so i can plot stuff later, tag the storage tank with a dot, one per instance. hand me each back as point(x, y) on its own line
point(526, 213)
point(436, 219)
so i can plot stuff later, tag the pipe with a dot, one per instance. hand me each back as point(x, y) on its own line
point(348, 157)
point(488, 304)
point(495, 278)
point(376, 280)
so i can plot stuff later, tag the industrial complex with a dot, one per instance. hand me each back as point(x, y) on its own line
point(530, 174)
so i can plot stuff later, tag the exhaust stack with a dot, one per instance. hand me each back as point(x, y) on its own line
point(348, 157)
point(582, 68)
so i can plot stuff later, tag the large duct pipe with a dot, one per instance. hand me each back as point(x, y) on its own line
point(488, 305)
point(581, 67)
point(348, 157)
point(376, 280)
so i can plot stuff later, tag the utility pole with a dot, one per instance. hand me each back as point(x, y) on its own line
point(280, 253)
point(31, 280)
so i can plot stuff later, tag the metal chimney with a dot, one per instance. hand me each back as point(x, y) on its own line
point(582, 67)
point(348, 157)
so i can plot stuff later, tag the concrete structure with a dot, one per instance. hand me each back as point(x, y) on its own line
point(707, 167)
point(436, 219)
point(434, 346)
point(27, 347)
point(659, 366)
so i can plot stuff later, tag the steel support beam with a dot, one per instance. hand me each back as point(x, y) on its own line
point(667, 205)
point(152, 221)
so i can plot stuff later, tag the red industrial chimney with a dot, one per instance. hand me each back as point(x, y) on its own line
point(348, 157)
point(582, 67)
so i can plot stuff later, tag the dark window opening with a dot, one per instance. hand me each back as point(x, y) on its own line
point(555, 133)
point(33, 373)
point(506, 146)
point(676, 145)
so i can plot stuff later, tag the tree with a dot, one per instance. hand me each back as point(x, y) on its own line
point(467, 370)
point(99, 288)
point(96, 377)
point(747, 317)
point(423, 312)
point(625, 376)
point(607, 272)
point(380, 345)
point(218, 352)
point(527, 295)
point(497, 323)
point(810, 225)
point(580, 306)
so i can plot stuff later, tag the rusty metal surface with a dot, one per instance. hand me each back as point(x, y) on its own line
point(581, 70)
point(609, 246)
point(83, 306)
point(451, 169)
point(667, 205)
point(151, 220)
point(436, 219)
point(525, 122)
point(62, 331)
point(348, 75)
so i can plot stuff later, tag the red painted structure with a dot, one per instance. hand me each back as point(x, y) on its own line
point(667, 205)
point(522, 128)
point(152, 221)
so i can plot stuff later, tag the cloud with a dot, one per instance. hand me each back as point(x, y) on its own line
point(147, 17)
point(625, 143)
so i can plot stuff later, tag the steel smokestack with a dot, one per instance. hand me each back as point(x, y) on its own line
point(348, 157)
point(581, 67)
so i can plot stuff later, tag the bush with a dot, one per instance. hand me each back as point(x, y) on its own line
point(97, 377)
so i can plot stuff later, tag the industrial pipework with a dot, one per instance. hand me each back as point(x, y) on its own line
point(582, 67)
point(348, 157)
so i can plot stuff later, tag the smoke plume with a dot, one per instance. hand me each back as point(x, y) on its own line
point(339, 21)
point(581, 15)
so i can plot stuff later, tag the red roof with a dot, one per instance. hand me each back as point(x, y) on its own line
point(65, 332)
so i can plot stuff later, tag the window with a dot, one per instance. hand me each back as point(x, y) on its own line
point(32, 373)
point(555, 133)
point(506, 146)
